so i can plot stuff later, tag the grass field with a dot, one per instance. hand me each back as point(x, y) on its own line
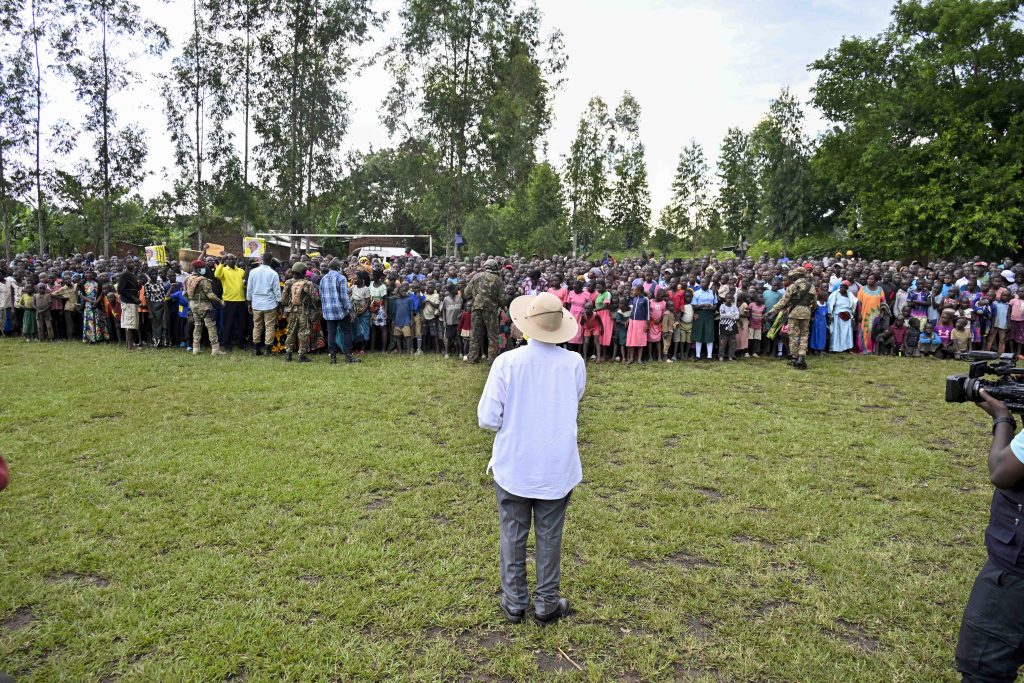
point(173, 518)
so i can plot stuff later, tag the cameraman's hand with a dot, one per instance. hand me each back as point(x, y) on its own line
point(993, 406)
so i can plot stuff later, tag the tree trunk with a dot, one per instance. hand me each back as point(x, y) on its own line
point(293, 132)
point(3, 209)
point(199, 129)
point(105, 143)
point(39, 116)
point(245, 116)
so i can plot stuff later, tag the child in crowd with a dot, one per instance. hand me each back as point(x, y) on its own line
point(465, 329)
point(929, 343)
point(944, 329)
point(728, 319)
point(639, 325)
point(818, 339)
point(911, 345)
point(1000, 323)
point(42, 301)
point(898, 332)
point(1016, 333)
point(181, 325)
point(451, 309)
point(669, 331)
point(592, 330)
point(403, 320)
point(743, 325)
point(756, 324)
point(28, 321)
point(960, 338)
point(657, 308)
point(416, 303)
point(619, 337)
point(686, 325)
point(431, 311)
point(112, 309)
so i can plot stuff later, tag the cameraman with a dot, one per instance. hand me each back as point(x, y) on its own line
point(991, 645)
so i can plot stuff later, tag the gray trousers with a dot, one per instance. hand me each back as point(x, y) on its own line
point(514, 515)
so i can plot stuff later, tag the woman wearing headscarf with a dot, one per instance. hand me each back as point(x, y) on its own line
point(842, 306)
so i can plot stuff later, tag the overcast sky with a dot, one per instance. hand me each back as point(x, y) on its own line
point(697, 67)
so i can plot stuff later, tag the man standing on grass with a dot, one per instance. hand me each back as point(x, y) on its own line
point(263, 292)
point(531, 400)
point(231, 276)
point(128, 289)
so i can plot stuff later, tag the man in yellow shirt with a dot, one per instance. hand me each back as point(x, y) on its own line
point(232, 280)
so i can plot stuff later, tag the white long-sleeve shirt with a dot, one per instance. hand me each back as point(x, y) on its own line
point(531, 400)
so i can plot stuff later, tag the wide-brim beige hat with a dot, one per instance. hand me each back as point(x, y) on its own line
point(543, 318)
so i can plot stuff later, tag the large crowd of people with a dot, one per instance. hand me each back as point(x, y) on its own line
point(633, 310)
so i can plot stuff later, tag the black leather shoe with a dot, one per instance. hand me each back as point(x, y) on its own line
point(305, 359)
point(513, 616)
point(288, 357)
point(257, 350)
point(334, 359)
point(554, 615)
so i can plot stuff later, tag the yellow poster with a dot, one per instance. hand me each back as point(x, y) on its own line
point(156, 255)
point(254, 247)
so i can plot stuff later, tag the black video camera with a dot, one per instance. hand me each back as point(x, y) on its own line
point(1008, 388)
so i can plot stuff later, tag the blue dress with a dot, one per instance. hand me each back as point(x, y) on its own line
point(819, 328)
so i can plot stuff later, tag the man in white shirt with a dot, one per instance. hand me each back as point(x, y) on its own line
point(531, 400)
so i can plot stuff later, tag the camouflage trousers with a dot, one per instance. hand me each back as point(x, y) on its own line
point(799, 333)
point(485, 323)
point(299, 329)
point(200, 317)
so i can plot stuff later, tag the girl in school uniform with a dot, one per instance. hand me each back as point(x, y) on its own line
point(639, 323)
point(603, 308)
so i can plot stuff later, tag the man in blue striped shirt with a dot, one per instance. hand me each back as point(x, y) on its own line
point(337, 311)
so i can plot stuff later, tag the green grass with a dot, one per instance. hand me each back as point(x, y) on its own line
point(200, 519)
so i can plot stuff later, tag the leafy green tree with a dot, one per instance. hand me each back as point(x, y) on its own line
point(16, 90)
point(100, 72)
point(470, 78)
point(244, 21)
point(930, 133)
point(586, 173)
point(781, 153)
point(198, 104)
point(686, 216)
point(630, 206)
point(737, 192)
point(302, 110)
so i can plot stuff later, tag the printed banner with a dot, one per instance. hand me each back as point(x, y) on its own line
point(254, 247)
point(156, 255)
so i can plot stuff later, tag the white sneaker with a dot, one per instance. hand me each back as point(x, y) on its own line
point(446, 355)
point(419, 352)
point(668, 360)
point(465, 358)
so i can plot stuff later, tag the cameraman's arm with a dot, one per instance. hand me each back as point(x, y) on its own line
point(1005, 465)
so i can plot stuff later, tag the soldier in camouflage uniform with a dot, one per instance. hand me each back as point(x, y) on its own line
point(487, 292)
point(799, 297)
point(201, 300)
point(298, 300)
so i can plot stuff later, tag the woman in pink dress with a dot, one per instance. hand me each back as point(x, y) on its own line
point(577, 300)
point(654, 331)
